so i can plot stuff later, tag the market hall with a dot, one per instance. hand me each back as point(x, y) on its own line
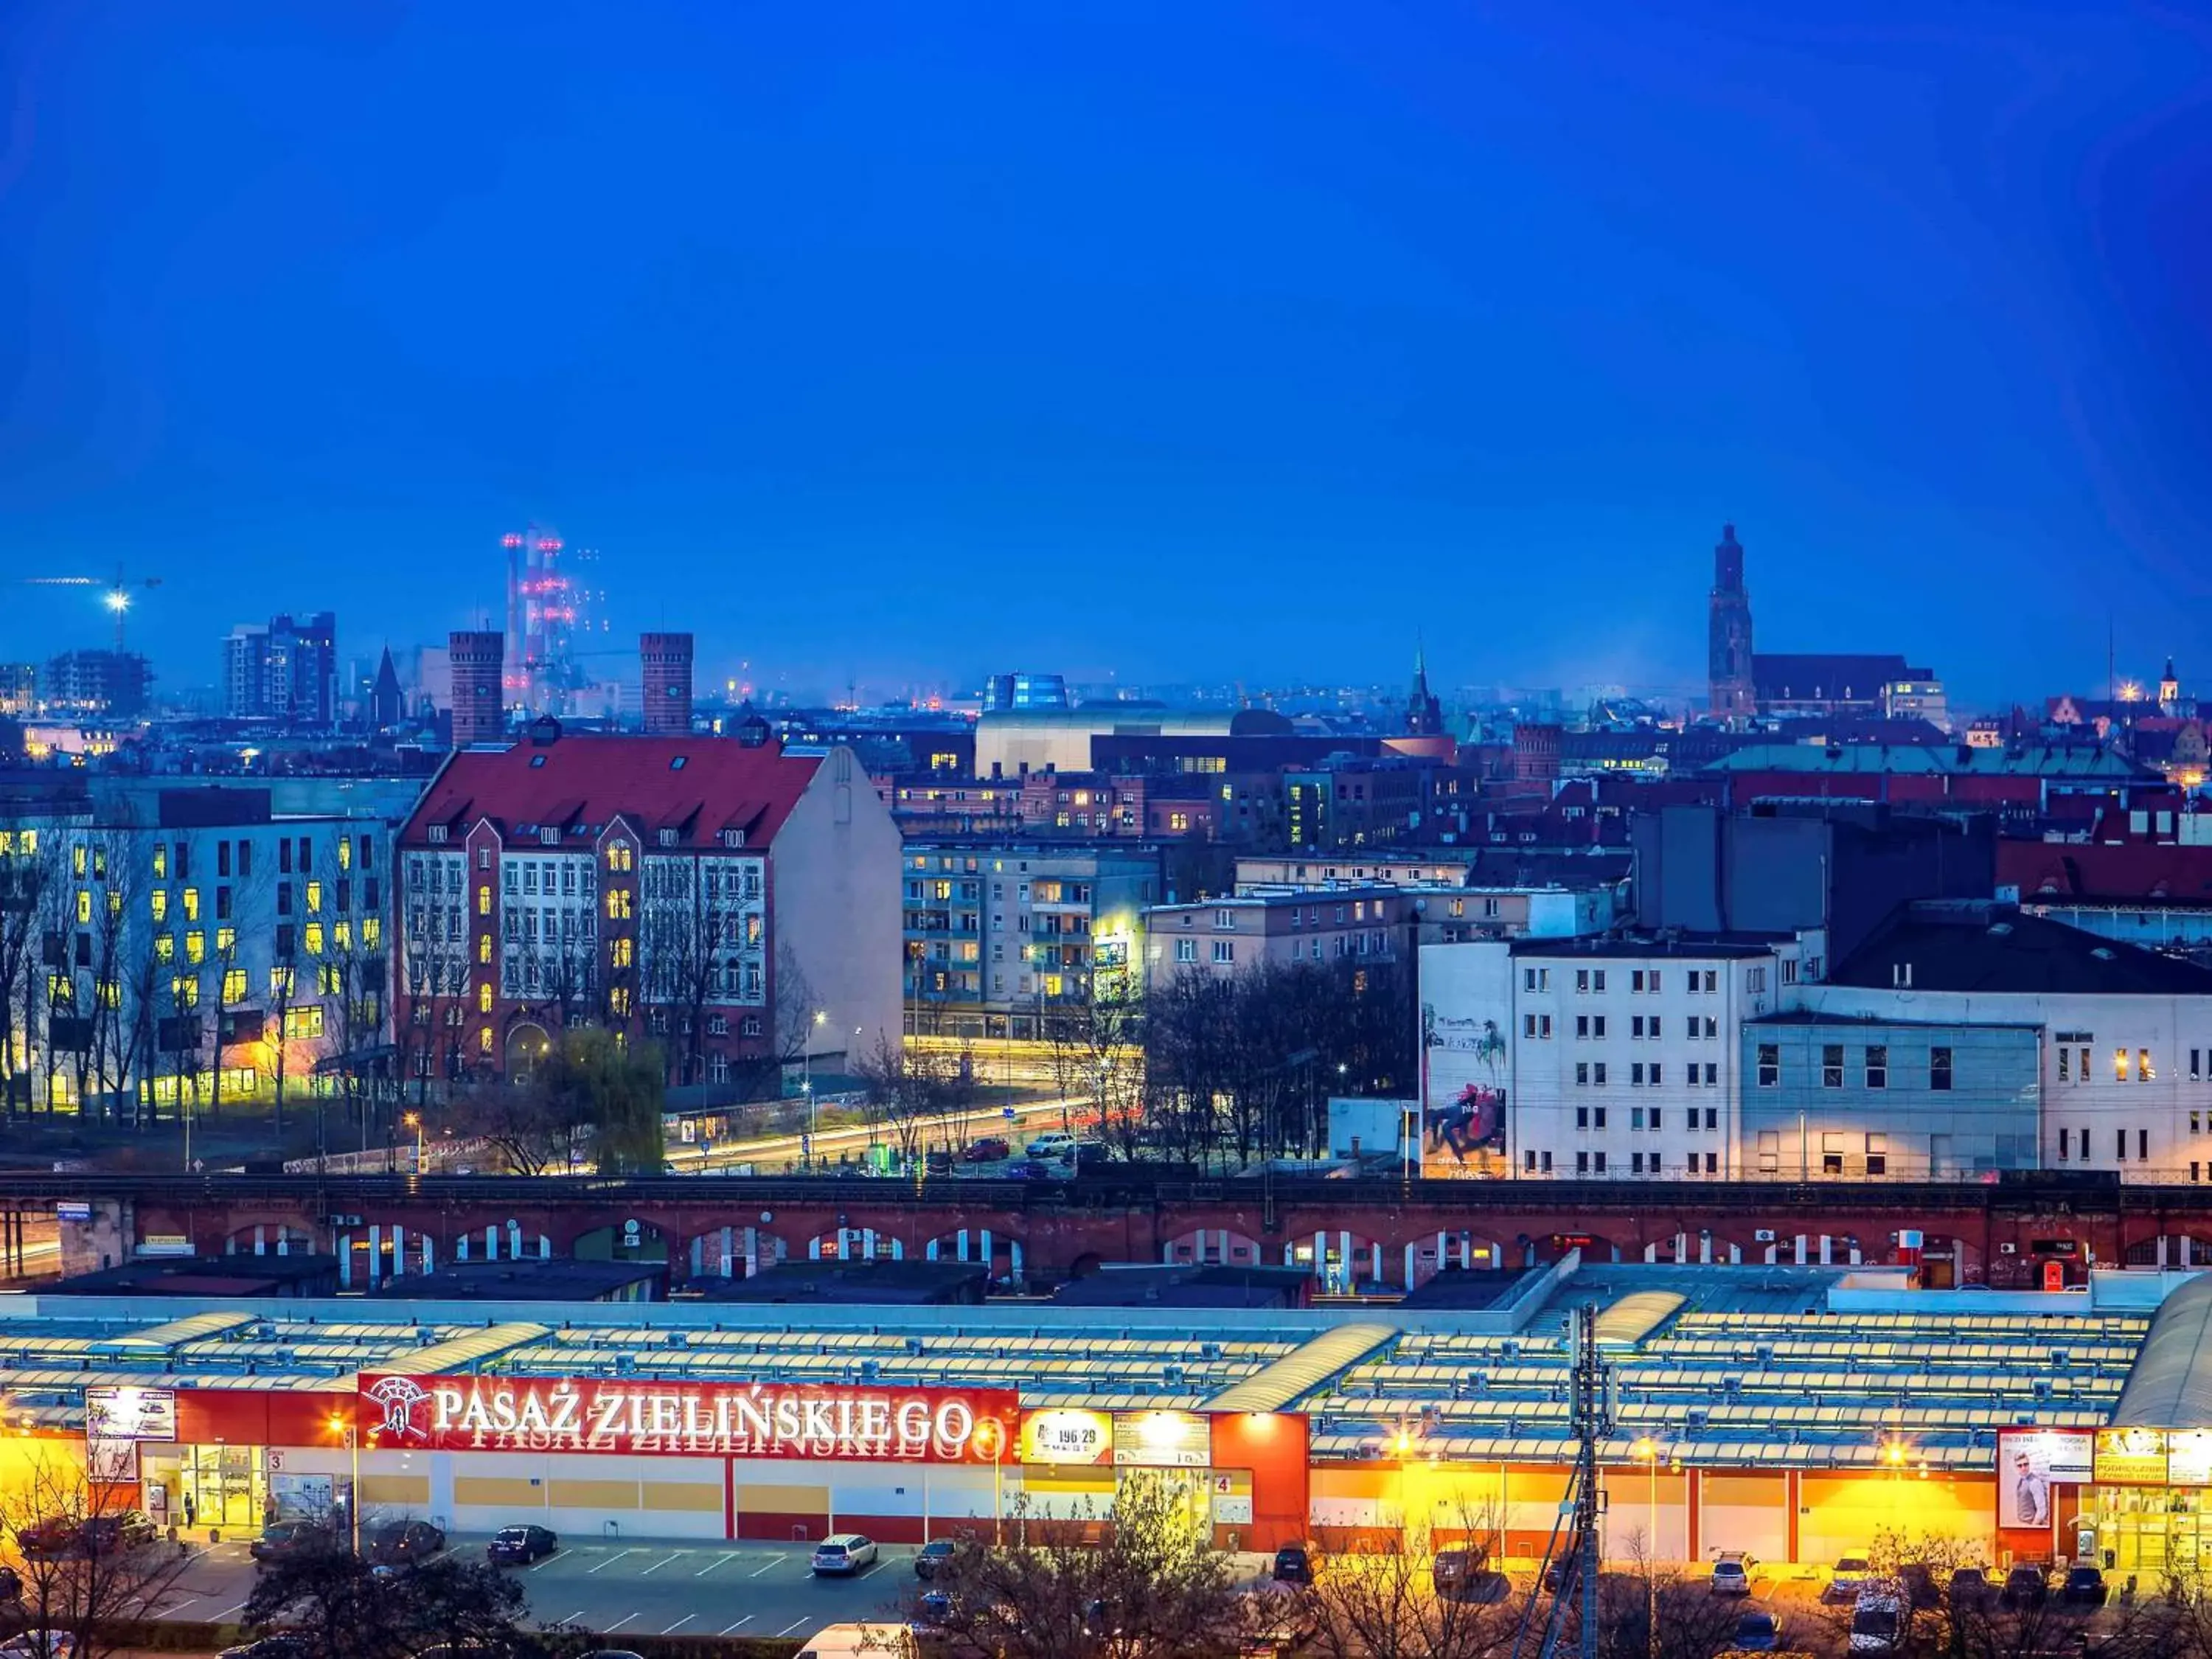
point(1793, 1413)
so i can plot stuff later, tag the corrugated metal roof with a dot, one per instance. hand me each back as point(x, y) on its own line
point(1305, 1368)
point(2171, 1384)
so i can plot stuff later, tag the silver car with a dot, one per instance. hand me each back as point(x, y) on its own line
point(844, 1552)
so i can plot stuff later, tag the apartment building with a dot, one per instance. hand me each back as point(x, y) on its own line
point(995, 931)
point(207, 953)
point(1223, 937)
point(1616, 1057)
point(2122, 1074)
point(731, 900)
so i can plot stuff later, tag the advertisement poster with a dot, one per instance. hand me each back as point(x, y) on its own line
point(115, 1461)
point(2189, 1458)
point(2032, 1463)
point(125, 1413)
point(1466, 1064)
point(2131, 1456)
point(1063, 1435)
point(1163, 1440)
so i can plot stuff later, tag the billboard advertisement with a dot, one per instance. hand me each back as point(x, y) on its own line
point(2032, 1463)
point(2131, 1457)
point(1064, 1435)
point(1163, 1440)
point(621, 1415)
point(1467, 1007)
point(2189, 1458)
point(125, 1413)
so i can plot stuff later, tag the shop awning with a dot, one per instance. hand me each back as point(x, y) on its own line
point(459, 1352)
point(193, 1328)
point(1635, 1317)
point(2170, 1386)
point(1305, 1368)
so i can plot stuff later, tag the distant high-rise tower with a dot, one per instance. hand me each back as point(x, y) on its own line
point(1729, 633)
point(1424, 715)
point(667, 659)
point(479, 707)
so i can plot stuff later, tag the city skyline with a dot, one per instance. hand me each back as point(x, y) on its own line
point(1300, 296)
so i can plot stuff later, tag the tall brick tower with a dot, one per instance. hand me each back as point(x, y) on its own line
point(1729, 633)
point(667, 659)
point(479, 710)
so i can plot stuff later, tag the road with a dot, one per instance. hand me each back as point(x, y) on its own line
point(630, 1589)
point(770, 1153)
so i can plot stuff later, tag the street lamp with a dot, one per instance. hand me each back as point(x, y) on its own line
point(414, 1120)
point(1647, 1450)
point(344, 1425)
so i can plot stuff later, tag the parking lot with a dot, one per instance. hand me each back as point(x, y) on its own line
point(628, 1590)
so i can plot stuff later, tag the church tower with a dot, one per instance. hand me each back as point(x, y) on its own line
point(1727, 634)
point(1424, 712)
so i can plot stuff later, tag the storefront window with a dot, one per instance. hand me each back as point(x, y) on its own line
point(2151, 1531)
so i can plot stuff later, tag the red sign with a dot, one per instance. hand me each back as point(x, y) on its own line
point(624, 1414)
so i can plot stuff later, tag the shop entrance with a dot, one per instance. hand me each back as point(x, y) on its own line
point(227, 1486)
point(2151, 1531)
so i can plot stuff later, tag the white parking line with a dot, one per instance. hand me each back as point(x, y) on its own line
point(765, 1565)
point(680, 1623)
point(620, 1622)
point(726, 1629)
point(571, 1618)
point(231, 1609)
point(728, 1555)
point(543, 1561)
point(794, 1627)
point(611, 1560)
point(657, 1565)
point(174, 1608)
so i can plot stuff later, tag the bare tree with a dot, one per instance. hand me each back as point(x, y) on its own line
point(90, 1562)
point(1386, 1600)
point(30, 867)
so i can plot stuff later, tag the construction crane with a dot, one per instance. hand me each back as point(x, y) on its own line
point(117, 597)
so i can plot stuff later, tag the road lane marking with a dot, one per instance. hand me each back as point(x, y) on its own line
point(726, 1629)
point(680, 1623)
point(771, 1562)
point(794, 1627)
point(611, 1560)
point(730, 1555)
point(657, 1565)
point(620, 1622)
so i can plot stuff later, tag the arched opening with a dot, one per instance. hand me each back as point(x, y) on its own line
point(629, 1240)
point(2171, 1251)
point(269, 1238)
point(1212, 1246)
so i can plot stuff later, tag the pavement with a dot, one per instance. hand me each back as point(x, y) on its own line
point(616, 1588)
point(770, 1153)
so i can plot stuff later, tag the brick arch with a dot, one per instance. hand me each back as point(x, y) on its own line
point(2173, 1248)
point(1412, 1259)
point(1005, 1253)
point(1229, 1247)
point(278, 1236)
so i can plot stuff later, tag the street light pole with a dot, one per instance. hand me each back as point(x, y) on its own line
point(1648, 1450)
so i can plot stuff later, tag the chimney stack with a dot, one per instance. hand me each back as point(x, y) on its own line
point(667, 659)
point(479, 660)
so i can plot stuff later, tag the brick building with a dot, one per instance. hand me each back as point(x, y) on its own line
point(731, 899)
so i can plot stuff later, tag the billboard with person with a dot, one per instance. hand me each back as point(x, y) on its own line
point(1466, 1060)
point(2032, 1465)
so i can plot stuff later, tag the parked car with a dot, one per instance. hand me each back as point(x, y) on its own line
point(525, 1544)
point(934, 1558)
point(1030, 1170)
point(1919, 1582)
point(281, 1540)
point(39, 1644)
point(1732, 1574)
point(1053, 1143)
point(11, 1585)
point(1453, 1572)
point(1878, 1620)
point(268, 1647)
point(844, 1552)
point(2026, 1586)
point(1851, 1576)
point(937, 1160)
point(1758, 1631)
point(402, 1543)
point(1294, 1566)
point(2084, 1588)
point(991, 1149)
point(98, 1534)
point(1970, 1587)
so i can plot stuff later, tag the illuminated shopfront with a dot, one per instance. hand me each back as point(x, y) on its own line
point(2148, 1506)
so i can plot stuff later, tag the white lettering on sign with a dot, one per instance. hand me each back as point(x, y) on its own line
point(545, 1413)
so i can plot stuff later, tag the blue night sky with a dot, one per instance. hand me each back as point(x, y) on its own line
point(1189, 340)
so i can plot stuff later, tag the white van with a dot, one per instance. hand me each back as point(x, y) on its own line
point(859, 1641)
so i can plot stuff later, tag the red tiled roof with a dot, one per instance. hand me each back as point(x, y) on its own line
point(588, 779)
point(2141, 870)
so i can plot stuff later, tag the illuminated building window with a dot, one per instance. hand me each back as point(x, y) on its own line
point(300, 1023)
point(313, 939)
point(83, 905)
point(314, 897)
point(195, 947)
point(484, 900)
point(159, 904)
point(165, 947)
point(483, 1040)
point(233, 985)
point(191, 900)
point(483, 998)
point(372, 932)
point(281, 982)
point(226, 939)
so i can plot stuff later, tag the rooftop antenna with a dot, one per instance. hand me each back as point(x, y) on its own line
point(1590, 1415)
